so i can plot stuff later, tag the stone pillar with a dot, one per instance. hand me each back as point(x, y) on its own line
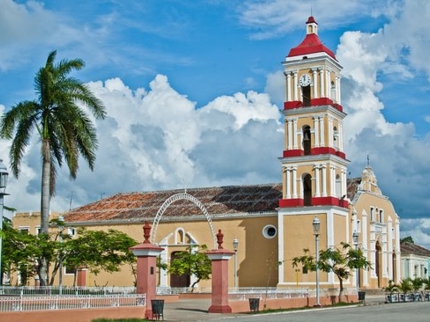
point(219, 260)
point(146, 254)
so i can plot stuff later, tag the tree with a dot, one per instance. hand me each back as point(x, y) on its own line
point(98, 251)
point(339, 261)
point(405, 286)
point(63, 127)
point(192, 261)
point(407, 239)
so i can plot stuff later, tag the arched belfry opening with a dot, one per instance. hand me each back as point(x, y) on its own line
point(306, 95)
point(307, 189)
point(306, 135)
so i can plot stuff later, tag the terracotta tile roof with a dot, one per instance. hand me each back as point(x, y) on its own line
point(413, 249)
point(218, 201)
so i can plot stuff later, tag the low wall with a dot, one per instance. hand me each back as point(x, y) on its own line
point(81, 315)
point(289, 303)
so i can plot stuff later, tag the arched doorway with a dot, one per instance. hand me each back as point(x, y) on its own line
point(178, 280)
point(378, 268)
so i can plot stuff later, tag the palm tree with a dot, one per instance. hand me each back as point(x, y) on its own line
point(63, 127)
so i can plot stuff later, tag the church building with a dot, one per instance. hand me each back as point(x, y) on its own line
point(267, 225)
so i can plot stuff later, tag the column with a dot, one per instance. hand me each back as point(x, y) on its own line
point(340, 137)
point(295, 134)
point(322, 142)
point(390, 248)
point(316, 131)
point(324, 180)
point(290, 133)
point(146, 254)
point(315, 82)
point(288, 89)
point(322, 83)
point(333, 181)
point(294, 182)
point(330, 132)
point(317, 180)
point(343, 183)
point(328, 84)
point(288, 195)
point(338, 89)
point(219, 260)
point(364, 232)
point(397, 241)
point(296, 96)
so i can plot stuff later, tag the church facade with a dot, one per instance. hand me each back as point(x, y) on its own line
point(268, 225)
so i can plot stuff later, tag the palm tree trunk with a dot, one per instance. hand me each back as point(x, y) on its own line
point(45, 201)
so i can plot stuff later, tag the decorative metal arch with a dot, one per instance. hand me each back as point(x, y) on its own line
point(172, 199)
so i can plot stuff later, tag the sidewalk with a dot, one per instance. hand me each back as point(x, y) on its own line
point(197, 310)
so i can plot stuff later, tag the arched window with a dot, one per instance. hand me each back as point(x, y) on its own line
point(307, 189)
point(306, 135)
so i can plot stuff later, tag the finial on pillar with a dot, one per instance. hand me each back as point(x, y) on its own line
point(146, 233)
point(219, 238)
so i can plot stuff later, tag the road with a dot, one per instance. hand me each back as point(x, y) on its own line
point(396, 312)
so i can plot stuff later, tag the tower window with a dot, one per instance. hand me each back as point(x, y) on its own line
point(307, 190)
point(306, 95)
point(306, 131)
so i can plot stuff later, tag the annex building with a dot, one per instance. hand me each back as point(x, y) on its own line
point(271, 223)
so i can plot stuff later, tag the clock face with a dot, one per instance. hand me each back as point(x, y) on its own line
point(305, 80)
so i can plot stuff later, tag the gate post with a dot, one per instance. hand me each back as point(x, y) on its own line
point(146, 280)
point(219, 258)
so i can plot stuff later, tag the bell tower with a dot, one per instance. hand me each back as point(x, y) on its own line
point(314, 166)
point(313, 162)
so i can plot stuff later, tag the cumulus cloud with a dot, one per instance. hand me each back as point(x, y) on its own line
point(157, 139)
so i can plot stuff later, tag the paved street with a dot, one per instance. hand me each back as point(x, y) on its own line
point(399, 312)
point(192, 310)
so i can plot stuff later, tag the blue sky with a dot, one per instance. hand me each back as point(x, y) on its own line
point(193, 91)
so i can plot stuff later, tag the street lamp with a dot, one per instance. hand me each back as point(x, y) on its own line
point(355, 240)
point(60, 257)
point(316, 226)
point(3, 183)
point(235, 247)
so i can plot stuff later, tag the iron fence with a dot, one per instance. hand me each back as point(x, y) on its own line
point(64, 290)
point(58, 302)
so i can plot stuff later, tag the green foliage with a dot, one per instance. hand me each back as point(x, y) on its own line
point(417, 283)
point(99, 250)
point(192, 261)
point(405, 286)
point(426, 283)
point(391, 288)
point(63, 127)
point(407, 239)
point(339, 261)
point(93, 249)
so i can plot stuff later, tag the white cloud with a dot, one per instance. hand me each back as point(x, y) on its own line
point(156, 139)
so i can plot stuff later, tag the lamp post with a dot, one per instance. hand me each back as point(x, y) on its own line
point(235, 247)
point(355, 240)
point(60, 257)
point(316, 226)
point(3, 182)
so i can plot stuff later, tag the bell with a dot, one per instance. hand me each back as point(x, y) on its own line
point(306, 137)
